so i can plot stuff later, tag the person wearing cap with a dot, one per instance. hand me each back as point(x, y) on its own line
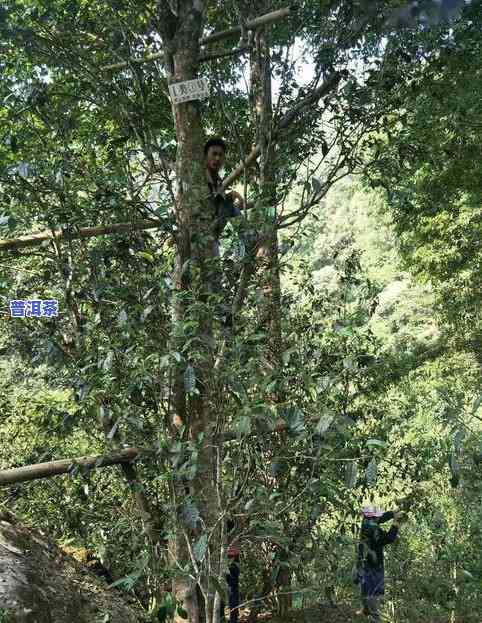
point(371, 572)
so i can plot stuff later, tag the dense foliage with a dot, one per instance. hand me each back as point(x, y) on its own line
point(375, 376)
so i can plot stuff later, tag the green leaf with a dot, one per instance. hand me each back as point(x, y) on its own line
point(190, 514)
point(316, 185)
point(200, 547)
point(189, 379)
point(147, 256)
point(239, 249)
point(287, 355)
point(165, 361)
point(295, 420)
point(146, 312)
point(122, 317)
point(477, 404)
point(371, 473)
point(324, 422)
point(128, 581)
point(107, 363)
point(182, 613)
point(113, 430)
point(249, 504)
point(351, 474)
point(243, 425)
point(454, 465)
point(458, 440)
point(348, 363)
point(376, 442)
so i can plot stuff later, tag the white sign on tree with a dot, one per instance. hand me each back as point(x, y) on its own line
point(190, 90)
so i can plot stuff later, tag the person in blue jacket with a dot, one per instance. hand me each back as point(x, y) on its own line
point(370, 567)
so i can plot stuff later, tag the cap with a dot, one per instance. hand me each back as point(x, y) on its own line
point(372, 511)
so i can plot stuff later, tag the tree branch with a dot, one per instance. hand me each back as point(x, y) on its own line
point(224, 53)
point(203, 58)
point(54, 468)
point(263, 20)
point(63, 466)
point(85, 232)
point(285, 121)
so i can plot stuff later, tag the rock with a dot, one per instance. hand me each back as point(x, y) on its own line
point(39, 583)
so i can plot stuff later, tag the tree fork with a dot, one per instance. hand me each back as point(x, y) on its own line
point(268, 18)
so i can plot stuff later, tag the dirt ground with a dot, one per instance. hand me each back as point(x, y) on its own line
point(320, 614)
point(345, 614)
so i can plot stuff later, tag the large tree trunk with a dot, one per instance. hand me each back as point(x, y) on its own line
point(193, 283)
point(39, 583)
point(268, 251)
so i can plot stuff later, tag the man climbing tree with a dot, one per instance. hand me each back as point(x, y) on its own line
point(226, 204)
point(370, 570)
point(81, 115)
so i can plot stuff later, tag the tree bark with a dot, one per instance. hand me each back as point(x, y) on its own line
point(193, 285)
point(36, 239)
point(63, 466)
point(268, 251)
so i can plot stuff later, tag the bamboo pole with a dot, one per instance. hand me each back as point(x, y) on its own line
point(263, 20)
point(203, 58)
